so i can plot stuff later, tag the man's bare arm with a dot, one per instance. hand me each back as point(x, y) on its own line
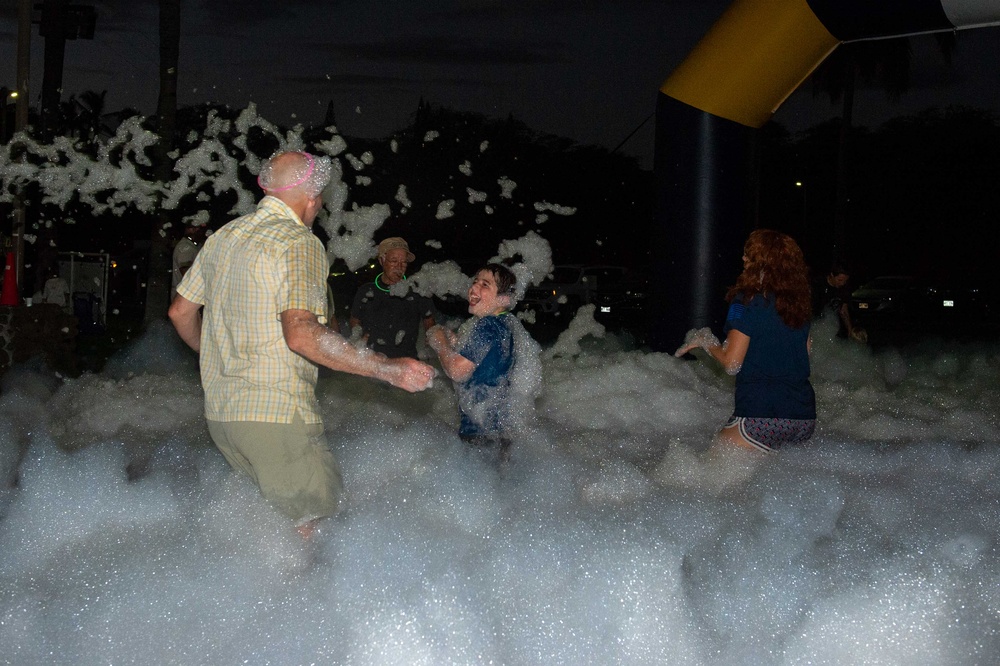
point(186, 318)
point(307, 337)
point(456, 366)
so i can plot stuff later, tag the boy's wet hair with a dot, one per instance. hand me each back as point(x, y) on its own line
point(505, 278)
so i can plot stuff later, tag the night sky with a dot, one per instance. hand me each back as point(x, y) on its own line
point(586, 70)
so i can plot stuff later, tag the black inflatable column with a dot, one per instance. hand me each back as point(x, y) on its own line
point(704, 210)
point(708, 111)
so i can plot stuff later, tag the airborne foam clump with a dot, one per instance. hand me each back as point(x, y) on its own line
point(403, 198)
point(531, 259)
point(506, 187)
point(445, 209)
point(542, 206)
point(356, 163)
point(582, 324)
point(351, 232)
point(439, 278)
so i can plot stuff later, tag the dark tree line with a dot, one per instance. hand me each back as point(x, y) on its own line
point(609, 194)
point(922, 195)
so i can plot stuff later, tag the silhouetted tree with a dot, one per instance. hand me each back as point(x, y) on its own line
point(884, 63)
point(158, 279)
point(80, 115)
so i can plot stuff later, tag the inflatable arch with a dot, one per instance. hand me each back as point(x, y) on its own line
point(707, 114)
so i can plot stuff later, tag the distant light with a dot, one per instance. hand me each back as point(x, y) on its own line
point(13, 94)
point(948, 304)
point(798, 183)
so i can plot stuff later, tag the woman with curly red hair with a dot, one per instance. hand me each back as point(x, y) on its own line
point(767, 346)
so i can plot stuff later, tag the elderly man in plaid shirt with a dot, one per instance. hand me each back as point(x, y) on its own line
point(262, 281)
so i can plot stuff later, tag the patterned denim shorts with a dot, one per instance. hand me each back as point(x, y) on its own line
point(770, 434)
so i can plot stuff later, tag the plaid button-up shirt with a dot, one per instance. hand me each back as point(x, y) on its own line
point(249, 272)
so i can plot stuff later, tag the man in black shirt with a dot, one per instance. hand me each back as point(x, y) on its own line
point(390, 318)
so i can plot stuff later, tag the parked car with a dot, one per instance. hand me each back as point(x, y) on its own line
point(945, 304)
point(565, 285)
point(616, 291)
point(890, 295)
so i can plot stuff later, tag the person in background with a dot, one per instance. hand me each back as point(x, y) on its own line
point(261, 281)
point(838, 295)
point(767, 347)
point(56, 291)
point(185, 251)
point(481, 361)
point(390, 322)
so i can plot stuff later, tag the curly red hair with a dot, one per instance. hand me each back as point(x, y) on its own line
point(774, 266)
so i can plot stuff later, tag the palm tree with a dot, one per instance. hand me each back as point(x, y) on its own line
point(80, 116)
point(884, 63)
point(91, 109)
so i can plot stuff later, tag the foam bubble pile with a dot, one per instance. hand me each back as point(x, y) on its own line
point(125, 538)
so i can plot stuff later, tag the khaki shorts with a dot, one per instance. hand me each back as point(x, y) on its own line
point(290, 463)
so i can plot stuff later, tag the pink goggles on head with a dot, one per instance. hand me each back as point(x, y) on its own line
point(304, 178)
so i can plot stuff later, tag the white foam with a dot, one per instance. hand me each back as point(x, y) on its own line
point(606, 539)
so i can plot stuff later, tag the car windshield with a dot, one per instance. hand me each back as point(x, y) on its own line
point(565, 274)
point(889, 283)
point(607, 276)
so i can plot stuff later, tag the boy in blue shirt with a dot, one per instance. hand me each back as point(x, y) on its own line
point(480, 362)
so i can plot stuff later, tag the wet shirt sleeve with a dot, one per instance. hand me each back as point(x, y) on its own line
point(192, 285)
point(744, 318)
point(736, 318)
